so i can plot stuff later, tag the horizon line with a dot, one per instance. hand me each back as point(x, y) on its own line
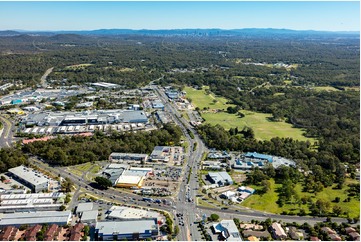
point(209, 28)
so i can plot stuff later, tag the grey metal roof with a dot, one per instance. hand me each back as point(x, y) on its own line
point(126, 227)
point(35, 218)
point(89, 215)
point(30, 175)
point(84, 207)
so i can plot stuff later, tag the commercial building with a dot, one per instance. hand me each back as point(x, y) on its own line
point(105, 85)
point(157, 104)
point(126, 157)
point(172, 94)
point(257, 156)
point(220, 178)
point(37, 95)
point(114, 171)
point(163, 117)
point(127, 213)
point(130, 182)
point(246, 189)
point(134, 177)
point(218, 155)
point(33, 218)
point(165, 153)
point(82, 207)
point(31, 202)
point(31, 178)
point(127, 230)
point(89, 217)
point(91, 117)
point(228, 230)
point(213, 165)
point(251, 160)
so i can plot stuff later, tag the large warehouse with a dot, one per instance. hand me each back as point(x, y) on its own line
point(31, 178)
point(86, 117)
point(32, 218)
point(127, 230)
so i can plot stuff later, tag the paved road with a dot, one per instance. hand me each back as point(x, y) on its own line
point(43, 78)
point(184, 201)
point(193, 212)
point(6, 134)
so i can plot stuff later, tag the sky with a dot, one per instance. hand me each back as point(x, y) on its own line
point(324, 15)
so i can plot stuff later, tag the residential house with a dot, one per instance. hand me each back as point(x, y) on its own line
point(8, 233)
point(51, 232)
point(314, 238)
point(30, 234)
point(252, 238)
point(278, 232)
point(328, 230)
point(335, 237)
point(251, 226)
point(258, 234)
point(75, 232)
point(294, 234)
point(355, 236)
point(350, 230)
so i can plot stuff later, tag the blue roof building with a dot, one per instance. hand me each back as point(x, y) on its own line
point(255, 155)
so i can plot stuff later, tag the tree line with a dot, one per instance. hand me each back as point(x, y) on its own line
point(65, 151)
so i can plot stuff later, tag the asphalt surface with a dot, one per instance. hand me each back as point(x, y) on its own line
point(184, 202)
point(6, 134)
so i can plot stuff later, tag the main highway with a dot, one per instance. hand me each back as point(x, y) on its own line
point(184, 202)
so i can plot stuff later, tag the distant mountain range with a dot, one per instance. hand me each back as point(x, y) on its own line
point(182, 32)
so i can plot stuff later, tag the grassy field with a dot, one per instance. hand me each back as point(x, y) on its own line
point(95, 169)
point(326, 88)
point(267, 202)
point(78, 66)
point(264, 128)
point(201, 99)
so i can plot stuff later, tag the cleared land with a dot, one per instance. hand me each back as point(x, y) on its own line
point(326, 88)
point(263, 127)
point(201, 99)
point(267, 201)
point(79, 66)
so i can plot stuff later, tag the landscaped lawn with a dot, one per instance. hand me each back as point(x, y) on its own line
point(263, 127)
point(267, 202)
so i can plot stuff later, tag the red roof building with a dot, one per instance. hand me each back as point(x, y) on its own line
point(75, 232)
point(8, 233)
point(51, 232)
point(31, 232)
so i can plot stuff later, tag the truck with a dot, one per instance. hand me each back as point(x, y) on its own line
point(147, 199)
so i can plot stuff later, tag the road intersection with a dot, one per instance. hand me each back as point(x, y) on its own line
point(184, 201)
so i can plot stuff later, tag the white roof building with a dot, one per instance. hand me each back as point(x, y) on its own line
point(126, 213)
point(31, 178)
point(228, 230)
point(32, 218)
point(220, 178)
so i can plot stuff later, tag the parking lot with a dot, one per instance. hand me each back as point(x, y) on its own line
point(164, 179)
